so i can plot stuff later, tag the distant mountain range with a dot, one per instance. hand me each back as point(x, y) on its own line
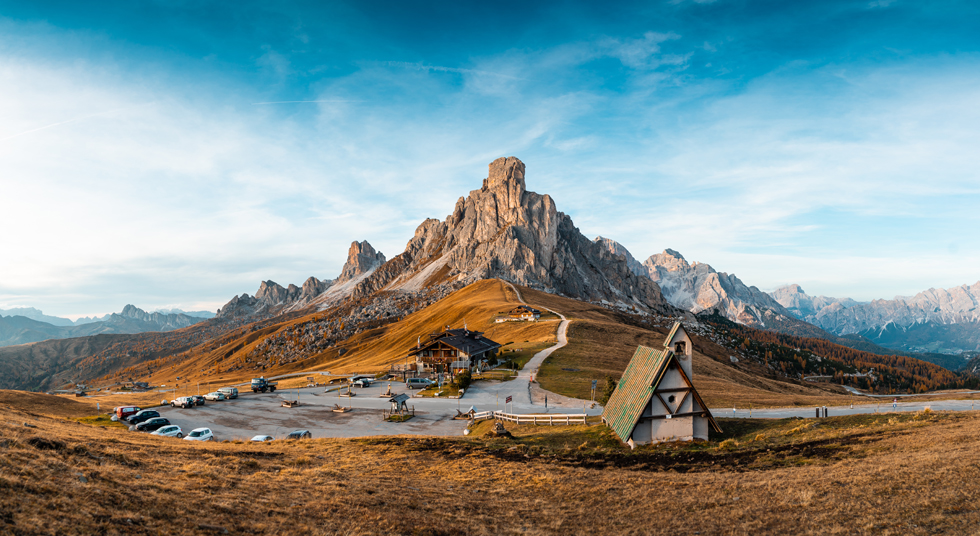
point(36, 314)
point(22, 329)
point(935, 320)
point(929, 324)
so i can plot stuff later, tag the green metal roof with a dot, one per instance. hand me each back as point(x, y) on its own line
point(634, 390)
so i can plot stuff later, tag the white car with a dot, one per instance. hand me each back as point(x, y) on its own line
point(171, 430)
point(200, 434)
point(184, 402)
point(262, 438)
point(214, 396)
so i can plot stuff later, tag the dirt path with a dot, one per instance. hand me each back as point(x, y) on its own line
point(537, 396)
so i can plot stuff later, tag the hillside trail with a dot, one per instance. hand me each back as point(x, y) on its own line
point(525, 392)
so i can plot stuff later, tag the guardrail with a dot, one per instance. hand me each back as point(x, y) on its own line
point(551, 420)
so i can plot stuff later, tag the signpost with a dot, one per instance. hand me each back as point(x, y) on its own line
point(594, 382)
point(509, 400)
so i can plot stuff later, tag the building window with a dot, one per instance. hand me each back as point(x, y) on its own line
point(680, 348)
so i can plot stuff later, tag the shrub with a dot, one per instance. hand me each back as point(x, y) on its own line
point(607, 390)
point(463, 379)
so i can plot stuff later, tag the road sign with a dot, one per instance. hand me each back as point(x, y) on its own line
point(594, 382)
point(509, 400)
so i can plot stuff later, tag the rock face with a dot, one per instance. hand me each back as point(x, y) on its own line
point(616, 248)
point(698, 287)
point(504, 231)
point(936, 320)
point(361, 258)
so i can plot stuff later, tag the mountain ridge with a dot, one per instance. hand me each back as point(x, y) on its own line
point(22, 330)
point(934, 320)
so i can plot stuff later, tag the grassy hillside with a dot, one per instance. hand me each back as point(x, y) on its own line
point(228, 359)
point(53, 363)
point(602, 341)
point(886, 474)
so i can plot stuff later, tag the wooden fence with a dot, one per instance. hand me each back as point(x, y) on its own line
point(551, 420)
point(495, 375)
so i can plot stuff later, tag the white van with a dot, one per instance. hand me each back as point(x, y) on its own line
point(418, 383)
point(229, 392)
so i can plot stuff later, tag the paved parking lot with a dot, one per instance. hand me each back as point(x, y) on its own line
point(253, 414)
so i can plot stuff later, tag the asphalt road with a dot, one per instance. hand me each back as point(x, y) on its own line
point(884, 406)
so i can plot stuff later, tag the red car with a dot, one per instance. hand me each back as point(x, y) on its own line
point(124, 412)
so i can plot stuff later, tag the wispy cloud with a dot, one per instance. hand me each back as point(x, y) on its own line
point(419, 66)
point(52, 125)
point(306, 101)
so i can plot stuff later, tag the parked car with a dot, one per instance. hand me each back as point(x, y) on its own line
point(215, 396)
point(362, 382)
point(300, 434)
point(144, 415)
point(418, 383)
point(262, 438)
point(229, 392)
point(171, 430)
point(200, 434)
point(125, 412)
point(184, 402)
point(151, 425)
point(198, 400)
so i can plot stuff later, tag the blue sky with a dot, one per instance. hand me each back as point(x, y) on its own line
point(173, 154)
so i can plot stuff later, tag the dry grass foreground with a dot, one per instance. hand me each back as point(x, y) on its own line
point(885, 474)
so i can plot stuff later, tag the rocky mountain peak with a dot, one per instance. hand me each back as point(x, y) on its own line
point(670, 261)
point(506, 180)
point(132, 311)
point(361, 258)
point(504, 231)
point(270, 291)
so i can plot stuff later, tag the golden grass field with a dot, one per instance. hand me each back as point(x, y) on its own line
point(874, 474)
point(373, 350)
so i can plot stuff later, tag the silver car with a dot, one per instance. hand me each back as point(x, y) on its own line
point(171, 430)
point(200, 434)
